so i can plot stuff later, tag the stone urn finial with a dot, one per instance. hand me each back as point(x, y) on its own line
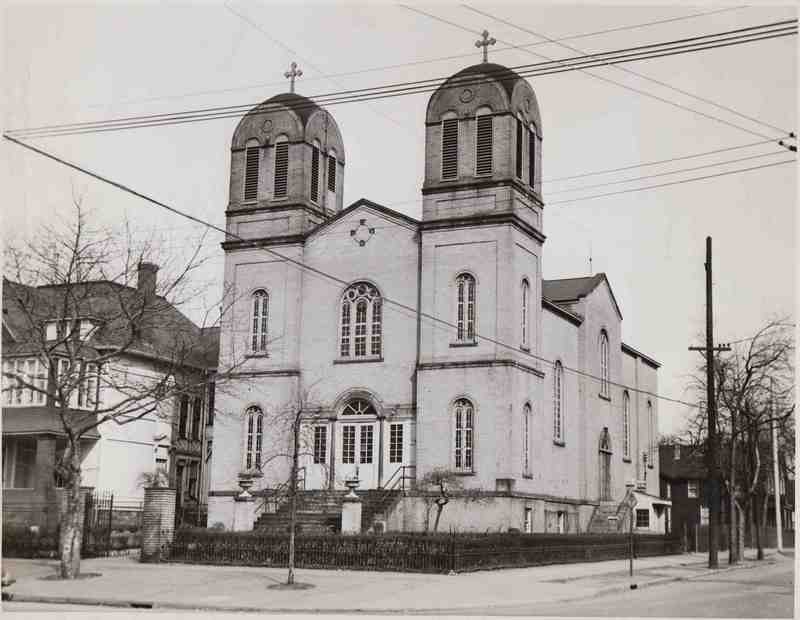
point(247, 480)
point(352, 484)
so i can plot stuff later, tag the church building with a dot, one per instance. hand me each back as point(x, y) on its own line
point(413, 346)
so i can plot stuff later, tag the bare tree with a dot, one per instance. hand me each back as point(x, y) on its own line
point(755, 388)
point(82, 317)
point(439, 486)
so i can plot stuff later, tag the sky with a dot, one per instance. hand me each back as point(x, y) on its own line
point(67, 63)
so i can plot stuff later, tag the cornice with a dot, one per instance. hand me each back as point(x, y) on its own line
point(486, 219)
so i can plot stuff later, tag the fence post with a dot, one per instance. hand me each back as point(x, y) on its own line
point(452, 554)
point(110, 525)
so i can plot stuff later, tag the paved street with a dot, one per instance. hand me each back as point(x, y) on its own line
point(761, 592)
point(679, 585)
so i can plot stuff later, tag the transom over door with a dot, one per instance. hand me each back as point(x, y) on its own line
point(357, 454)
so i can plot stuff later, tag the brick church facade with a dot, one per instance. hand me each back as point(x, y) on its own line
point(414, 346)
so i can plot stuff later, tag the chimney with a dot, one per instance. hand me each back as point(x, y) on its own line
point(146, 279)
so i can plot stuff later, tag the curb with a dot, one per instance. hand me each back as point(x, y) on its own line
point(141, 604)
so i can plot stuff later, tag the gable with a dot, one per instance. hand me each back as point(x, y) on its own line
point(349, 219)
point(603, 291)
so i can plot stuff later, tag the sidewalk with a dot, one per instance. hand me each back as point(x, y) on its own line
point(127, 583)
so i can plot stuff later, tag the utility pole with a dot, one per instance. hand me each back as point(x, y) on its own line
point(712, 454)
point(775, 472)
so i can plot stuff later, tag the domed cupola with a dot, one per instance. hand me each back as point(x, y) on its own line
point(483, 132)
point(287, 155)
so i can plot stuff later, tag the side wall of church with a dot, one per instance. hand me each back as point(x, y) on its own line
point(642, 376)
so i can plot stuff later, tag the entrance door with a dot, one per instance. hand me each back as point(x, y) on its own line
point(357, 454)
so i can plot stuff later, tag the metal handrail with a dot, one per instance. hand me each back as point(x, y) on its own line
point(274, 494)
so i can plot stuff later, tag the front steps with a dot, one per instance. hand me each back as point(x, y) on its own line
point(320, 512)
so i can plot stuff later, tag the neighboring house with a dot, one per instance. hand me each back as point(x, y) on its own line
point(441, 345)
point(114, 456)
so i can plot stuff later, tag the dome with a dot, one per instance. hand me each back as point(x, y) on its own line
point(294, 116)
point(485, 84)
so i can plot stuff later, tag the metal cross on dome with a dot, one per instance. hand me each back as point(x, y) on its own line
point(292, 73)
point(485, 42)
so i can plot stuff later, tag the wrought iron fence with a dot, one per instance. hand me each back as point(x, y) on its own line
point(410, 552)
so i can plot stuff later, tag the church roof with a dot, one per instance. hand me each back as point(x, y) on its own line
point(302, 106)
point(507, 77)
point(570, 289)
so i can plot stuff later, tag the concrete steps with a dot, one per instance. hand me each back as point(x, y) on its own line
point(320, 512)
point(600, 523)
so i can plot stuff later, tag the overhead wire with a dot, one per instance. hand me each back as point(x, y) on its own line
point(598, 77)
point(638, 74)
point(323, 274)
point(550, 67)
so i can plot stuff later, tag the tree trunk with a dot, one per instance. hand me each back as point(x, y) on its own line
point(733, 527)
point(757, 531)
point(71, 532)
point(293, 497)
point(439, 508)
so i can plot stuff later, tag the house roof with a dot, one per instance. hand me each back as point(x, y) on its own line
point(164, 329)
point(690, 465)
point(38, 421)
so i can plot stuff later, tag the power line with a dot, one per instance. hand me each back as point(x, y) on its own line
point(641, 189)
point(321, 273)
point(662, 174)
point(598, 77)
point(632, 72)
point(660, 161)
point(642, 52)
point(425, 61)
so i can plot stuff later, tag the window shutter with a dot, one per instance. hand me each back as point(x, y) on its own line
point(331, 173)
point(519, 149)
point(450, 148)
point(484, 145)
point(251, 173)
point(281, 169)
point(314, 174)
point(532, 159)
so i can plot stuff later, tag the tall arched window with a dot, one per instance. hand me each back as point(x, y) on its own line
point(484, 141)
point(465, 308)
point(626, 425)
point(558, 402)
point(604, 366)
point(526, 440)
point(260, 323)
point(464, 414)
point(254, 419)
point(251, 165)
point(281, 182)
point(526, 293)
point(449, 146)
point(361, 321)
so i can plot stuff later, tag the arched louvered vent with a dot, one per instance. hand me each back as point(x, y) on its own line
point(331, 173)
point(251, 173)
point(281, 169)
point(519, 149)
point(484, 145)
point(314, 174)
point(450, 148)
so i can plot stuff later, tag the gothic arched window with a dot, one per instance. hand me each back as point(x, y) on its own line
point(361, 321)
point(464, 414)
point(484, 142)
point(449, 146)
point(260, 322)
point(281, 177)
point(465, 308)
point(558, 402)
point(526, 440)
point(626, 425)
point(526, 302)
point(605, 373)
point(254, 419)
point(252, 154)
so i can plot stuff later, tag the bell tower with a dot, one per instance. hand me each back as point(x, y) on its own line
point(287, 167)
